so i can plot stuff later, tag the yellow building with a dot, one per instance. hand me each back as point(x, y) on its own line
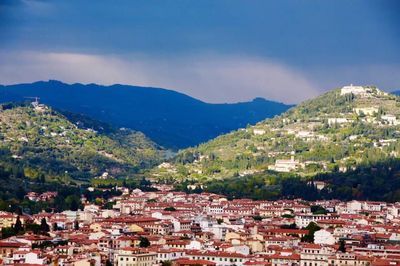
point(95, 227)
point(135, 257)
point(134, 228)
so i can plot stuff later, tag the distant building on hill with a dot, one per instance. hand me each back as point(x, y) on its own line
point(259, 131)
point(285, 165)
point(356, 90)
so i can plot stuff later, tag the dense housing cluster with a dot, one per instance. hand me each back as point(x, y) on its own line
point(175, 228)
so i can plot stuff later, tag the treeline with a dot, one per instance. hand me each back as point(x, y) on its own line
point(15, 185)
point(380, 181)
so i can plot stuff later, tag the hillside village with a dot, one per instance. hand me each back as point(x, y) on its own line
point(337, 131)
point(44, 141)
point(175, 228)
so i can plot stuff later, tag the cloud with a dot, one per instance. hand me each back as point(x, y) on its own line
point(209, 77)
point(384, 76)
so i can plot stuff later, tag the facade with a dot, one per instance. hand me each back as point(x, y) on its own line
point(135, 257)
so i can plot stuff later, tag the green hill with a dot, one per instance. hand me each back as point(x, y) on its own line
point(337, 132)
point(40, 141)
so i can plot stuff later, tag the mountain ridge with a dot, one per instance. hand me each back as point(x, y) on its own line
point(170, 118)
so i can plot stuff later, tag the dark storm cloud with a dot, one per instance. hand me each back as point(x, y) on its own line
point(314, 44)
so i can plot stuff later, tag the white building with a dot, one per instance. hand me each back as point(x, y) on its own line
point(302, 220)
point(356, 90)
point(26, 257)
point(258, 131)
point(323, 237)
point(285, 165)
point(391, 119)
point(337, 120)
point(354, 206)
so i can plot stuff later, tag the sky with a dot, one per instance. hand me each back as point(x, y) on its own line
point(214, 50)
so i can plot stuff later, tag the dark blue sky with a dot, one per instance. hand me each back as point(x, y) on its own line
point(214, 50)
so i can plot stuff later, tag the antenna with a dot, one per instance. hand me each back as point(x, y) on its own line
point(36, 102)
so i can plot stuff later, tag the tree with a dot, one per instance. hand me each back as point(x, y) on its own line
point(41, 179)
point(72, 202)
point(18, 225)
point(55, 227)
point(20, 193)
point(166, 263)
point(108, 263)
point(289, 226)
point(342, 246)
point(144, 242)
point(76, 225)
point(312, 228)
point(144, 184)
point(317, 209)
point(257, 218)
point(198, 190)
point(44, 227)
point(7, 232)
point(171, 209)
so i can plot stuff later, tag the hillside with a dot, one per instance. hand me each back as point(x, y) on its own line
point(43, 143)
point(335, 133)
point(171, 119)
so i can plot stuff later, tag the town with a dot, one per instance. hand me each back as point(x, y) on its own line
point(166, 227)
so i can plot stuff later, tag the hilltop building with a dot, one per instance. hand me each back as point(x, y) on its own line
point(356, 90)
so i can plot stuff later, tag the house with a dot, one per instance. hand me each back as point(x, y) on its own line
point(189, 262)
point(7, 248)
point(285, 258)
point(337, 120)
point(26, 257)
point(285, 165)
point(349, 259)
point(390, 119)
point(135, 256)
point(302, 220)
point(315, 255)
point(324, 237)
point(7, 219)
point(218, 257)
point(258, 131)
point(169, 254)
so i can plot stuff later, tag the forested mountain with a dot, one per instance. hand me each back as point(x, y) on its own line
point(171, 119)
point(38, 142)
point(338, 133)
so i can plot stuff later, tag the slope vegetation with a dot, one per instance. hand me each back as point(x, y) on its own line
point(43, 142)
point(336, 132)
